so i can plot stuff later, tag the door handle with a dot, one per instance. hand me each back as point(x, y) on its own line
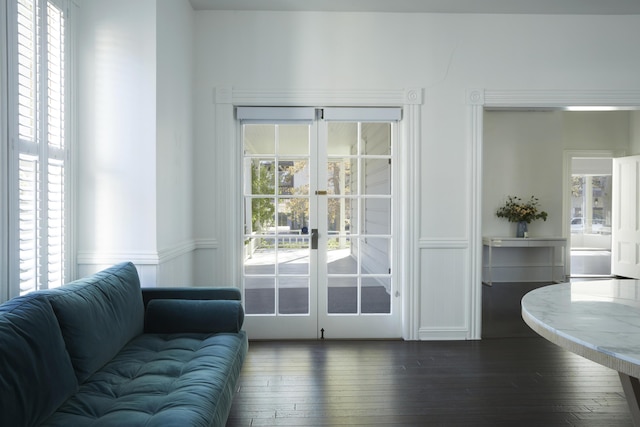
point(314, 238)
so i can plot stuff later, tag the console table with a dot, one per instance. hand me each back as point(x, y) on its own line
point(598, 320)
point(518, 242)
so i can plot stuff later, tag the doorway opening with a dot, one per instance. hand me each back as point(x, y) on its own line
point(590, 217)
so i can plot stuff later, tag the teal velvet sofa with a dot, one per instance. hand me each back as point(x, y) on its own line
point(102, 351)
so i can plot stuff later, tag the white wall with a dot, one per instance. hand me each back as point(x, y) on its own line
point(125, 149)
point(635, 132)
point(174, 144)
point(136, 138)
point(597, 130)
point(117, 134)
point(522, 156)
point(446, 55)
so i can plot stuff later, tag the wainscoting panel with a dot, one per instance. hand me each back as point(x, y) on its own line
point(175, 266)
point(444, 280)
point(206, 265)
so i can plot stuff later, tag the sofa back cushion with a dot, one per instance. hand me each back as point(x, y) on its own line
point(98, 315)
point(36, 375)
point(171, 316)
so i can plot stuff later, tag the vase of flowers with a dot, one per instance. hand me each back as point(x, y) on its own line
point(522, 212)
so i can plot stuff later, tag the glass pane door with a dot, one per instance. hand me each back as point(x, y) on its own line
point(318, 227)
point(277, 252)
point(359, 217)
point(591, 215)
point(355, 281)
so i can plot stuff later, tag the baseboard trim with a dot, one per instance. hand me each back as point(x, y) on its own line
point(443, 334)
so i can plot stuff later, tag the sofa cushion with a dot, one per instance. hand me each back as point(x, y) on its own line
point(98, 315)
point(158, 380)
point(199, 293)
point(36, 375)
point(174, 316)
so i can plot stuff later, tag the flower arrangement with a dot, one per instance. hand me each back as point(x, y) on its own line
point(517, 210)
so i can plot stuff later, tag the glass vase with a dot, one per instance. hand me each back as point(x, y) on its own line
point(522, 229)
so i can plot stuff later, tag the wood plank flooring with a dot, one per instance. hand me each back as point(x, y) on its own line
point(492, 382)
point(501, 311)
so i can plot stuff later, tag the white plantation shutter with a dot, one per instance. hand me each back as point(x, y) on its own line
point(28, 222)
point(39, 145)
point(55, 77)
point(55, 224)
point(56, 146)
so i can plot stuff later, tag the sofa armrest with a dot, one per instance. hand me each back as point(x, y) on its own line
point(201, 316)
point(186, 293)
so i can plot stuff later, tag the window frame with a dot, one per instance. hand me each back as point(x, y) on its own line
point(4, 157)
point(9, 230)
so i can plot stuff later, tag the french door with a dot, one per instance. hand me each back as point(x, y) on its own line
point(318, 234)
point(625, 251)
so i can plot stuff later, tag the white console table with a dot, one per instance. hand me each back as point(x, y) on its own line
point(518, 242)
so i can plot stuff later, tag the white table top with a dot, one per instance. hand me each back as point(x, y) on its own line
point(599, 320)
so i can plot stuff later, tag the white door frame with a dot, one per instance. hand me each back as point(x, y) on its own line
point(479, 99)
point(228, 181)
point(624, 224)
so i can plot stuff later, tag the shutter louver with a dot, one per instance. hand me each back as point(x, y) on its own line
point(27, 69)
point(55, 139)
point(28, 223)
point(55, 79)
point(55, 224)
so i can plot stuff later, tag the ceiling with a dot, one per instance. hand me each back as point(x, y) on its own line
point(544, 7)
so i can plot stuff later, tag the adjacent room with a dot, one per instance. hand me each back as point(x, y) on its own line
point(564, 158)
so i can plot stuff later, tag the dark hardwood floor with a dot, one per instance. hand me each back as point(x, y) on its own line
point(501, 316)
point(492, 382)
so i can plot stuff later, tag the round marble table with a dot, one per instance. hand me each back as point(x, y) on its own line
point(599, 320)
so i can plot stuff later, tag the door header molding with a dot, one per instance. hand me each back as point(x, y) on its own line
point(324, 98)
point(552, 98)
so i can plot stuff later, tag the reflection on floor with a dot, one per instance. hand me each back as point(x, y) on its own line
point(590, 262)
point(501, 316)
point(501, 309)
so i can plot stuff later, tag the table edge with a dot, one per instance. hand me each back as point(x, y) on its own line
point(574, 345)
